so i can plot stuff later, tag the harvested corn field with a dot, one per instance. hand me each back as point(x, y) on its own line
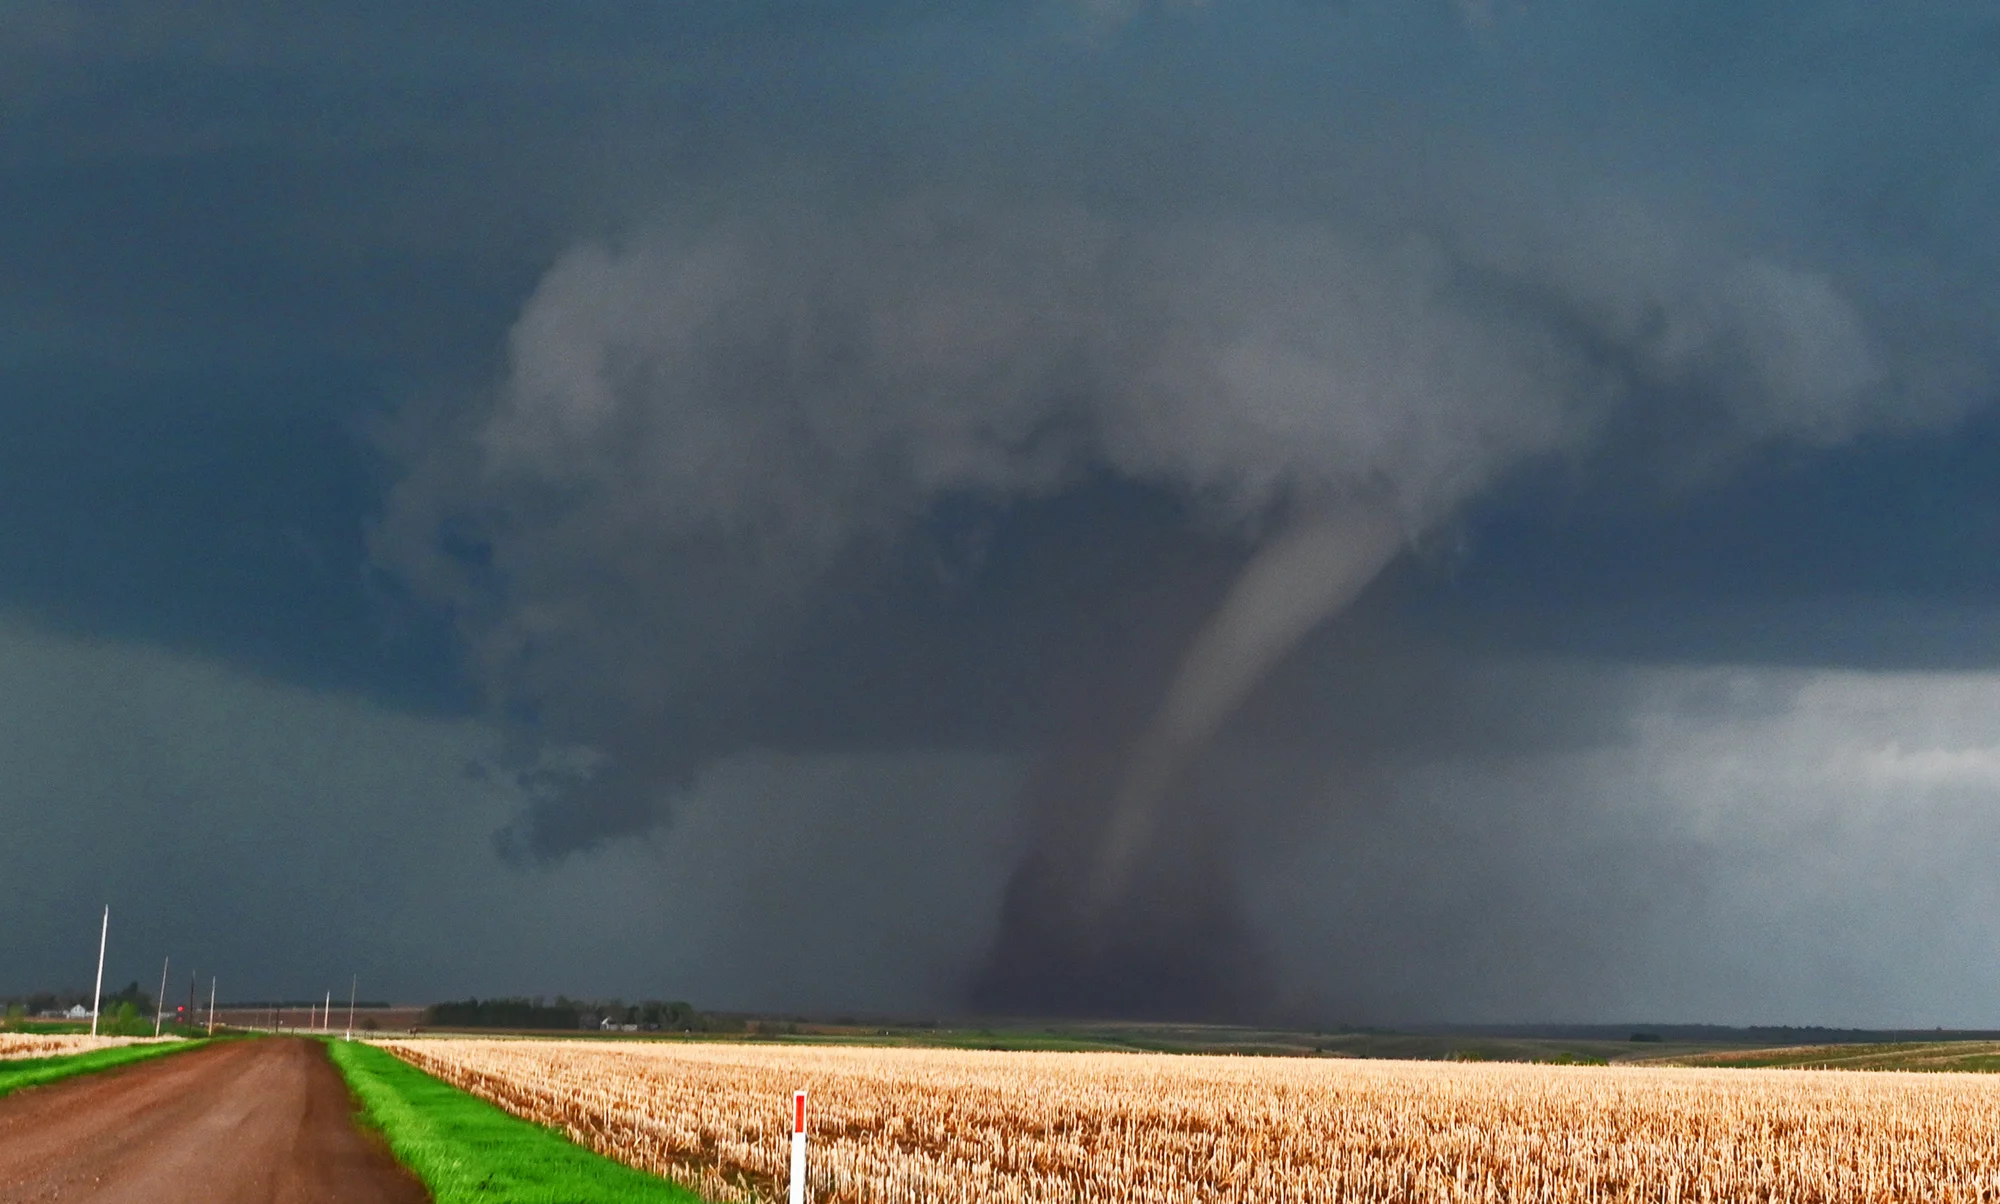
point(896, 1126)
point(49, 1045)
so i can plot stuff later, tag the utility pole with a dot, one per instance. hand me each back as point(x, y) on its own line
point(97, 995)
point(355, 982)
point(160, 1010)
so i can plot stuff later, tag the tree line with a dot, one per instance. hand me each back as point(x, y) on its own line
point(127, 1012)
point(652, 1015)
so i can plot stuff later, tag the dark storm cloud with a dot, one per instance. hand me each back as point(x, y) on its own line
point(878, 380)
point(219, 512)
point(1879, 553)
point(1306, 270)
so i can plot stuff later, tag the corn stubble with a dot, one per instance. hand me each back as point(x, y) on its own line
point(897, 1126)
point(50, 1045)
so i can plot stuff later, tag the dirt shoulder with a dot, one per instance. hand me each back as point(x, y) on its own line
point(240, 1122)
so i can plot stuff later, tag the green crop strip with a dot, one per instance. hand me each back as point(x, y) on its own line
point(1975, 1056)
point(16, 1073)
point(465, 1149)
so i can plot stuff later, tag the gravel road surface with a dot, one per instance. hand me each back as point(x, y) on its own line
point(241, 1122)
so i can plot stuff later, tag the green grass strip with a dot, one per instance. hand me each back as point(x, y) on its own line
point(16, 1073)
point(465, 1149)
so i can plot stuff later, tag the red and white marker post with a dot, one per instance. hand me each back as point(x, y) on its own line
point(798, 1147)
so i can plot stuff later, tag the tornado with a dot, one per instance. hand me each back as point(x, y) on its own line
point(1305, 574)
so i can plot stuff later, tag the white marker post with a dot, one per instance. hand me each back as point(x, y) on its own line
point(160, 1012)
point(798, 1147)
point(97, 995)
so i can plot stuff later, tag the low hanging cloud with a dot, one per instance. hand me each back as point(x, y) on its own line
point(711, 427)
point(763, 400)
point(697, 431)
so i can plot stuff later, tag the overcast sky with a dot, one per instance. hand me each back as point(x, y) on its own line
point(1349, 511)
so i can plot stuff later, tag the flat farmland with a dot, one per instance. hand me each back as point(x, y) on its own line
point(51, 1045)
point(896, 1126)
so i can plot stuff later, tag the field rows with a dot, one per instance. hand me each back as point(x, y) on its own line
point(891, 1126)
point(1981, 1056)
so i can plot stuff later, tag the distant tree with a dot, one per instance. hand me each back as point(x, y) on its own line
point(125, 1020)
point(129, 993)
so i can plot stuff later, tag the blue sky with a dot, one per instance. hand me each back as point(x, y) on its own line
point(657, 434)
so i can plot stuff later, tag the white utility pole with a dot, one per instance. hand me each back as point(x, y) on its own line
point(97, 995)
point(350, 1005)
point(211, 1005)
point(160, 1012)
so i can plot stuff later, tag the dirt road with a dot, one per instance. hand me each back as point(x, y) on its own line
point(236, 1123)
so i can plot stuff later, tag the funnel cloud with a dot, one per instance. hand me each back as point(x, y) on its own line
point(1293, 582)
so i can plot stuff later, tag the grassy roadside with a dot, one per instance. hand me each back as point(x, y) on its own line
point(16, 1073)
point(465, 1149)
